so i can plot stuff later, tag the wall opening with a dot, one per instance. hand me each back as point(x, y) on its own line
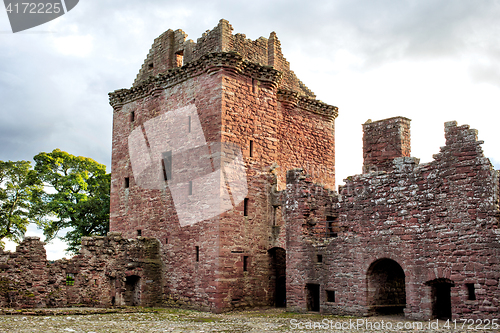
point(197, 254)
point(441, 298)
point(179, 58)
point(245, 263)
point(255, 86)
point(127, 182)
point(471, 292)
point(251, 148)
point(386, 287)
point(132, 116)
point(139, 232)
point(312, 294)
point(245, 207)
point(70, 279)
point(277, 256)
point(332, 226)
point(132, 290)
point(150, 66)
point(166, 163)
point(330, 296)
point(319, 258)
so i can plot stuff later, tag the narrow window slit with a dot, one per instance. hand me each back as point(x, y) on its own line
point(245, 263)
point(166, 163)
point(245, 207)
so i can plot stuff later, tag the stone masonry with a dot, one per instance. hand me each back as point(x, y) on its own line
point(223, 196)
point(108, 271)
point(418, 238)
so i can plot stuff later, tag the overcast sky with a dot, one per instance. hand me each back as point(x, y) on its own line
point(429, 60)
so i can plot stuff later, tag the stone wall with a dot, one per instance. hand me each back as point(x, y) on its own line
point(108, 271)
point(437, 222)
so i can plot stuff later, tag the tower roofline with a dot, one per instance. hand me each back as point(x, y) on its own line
point(172, 50)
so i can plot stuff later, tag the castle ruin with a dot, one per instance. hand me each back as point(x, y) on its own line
point(223, 196)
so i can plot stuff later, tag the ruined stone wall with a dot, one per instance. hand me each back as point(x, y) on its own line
point(108, 271)
point(437, 221)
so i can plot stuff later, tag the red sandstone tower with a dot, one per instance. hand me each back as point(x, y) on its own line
point(201, 143)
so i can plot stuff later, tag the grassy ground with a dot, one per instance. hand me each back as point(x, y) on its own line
point(140, 320)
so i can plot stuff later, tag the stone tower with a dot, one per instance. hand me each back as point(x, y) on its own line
point(201, 145)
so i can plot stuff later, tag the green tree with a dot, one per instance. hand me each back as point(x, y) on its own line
point(17, 189)
point(76, 196)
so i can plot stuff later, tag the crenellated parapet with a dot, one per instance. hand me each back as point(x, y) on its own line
point(171, 51)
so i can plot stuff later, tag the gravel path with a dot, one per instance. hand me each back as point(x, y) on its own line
point(175, 320)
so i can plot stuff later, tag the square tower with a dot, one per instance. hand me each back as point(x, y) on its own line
point(200, 143)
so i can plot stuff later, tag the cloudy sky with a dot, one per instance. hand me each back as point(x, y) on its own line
point(429, 60)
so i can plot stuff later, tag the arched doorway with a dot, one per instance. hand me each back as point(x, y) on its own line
point(277, 256)
point(386, 287)
point(441, 298)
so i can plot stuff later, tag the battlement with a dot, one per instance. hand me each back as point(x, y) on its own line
point(171, 51)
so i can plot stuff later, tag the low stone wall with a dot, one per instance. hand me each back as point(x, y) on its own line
point(108, 271)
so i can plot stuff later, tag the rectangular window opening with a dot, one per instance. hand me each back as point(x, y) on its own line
point(151, 66)
point(132, 116)
point(245, 263)
point(179, 58)
point(70, 279)
point(197, 248)
point(127, 182)
point(166, 163)
point(471, 296)
point(251, 148)
point(319, 258)
point(330, 296)
point(254, 85)
point(245, 207)
point(139, 232)
point(166, 240)
point(190, 190)
point(331, 226)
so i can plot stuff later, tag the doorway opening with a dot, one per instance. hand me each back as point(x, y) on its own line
point(441, 298)
point(132, 290)
point(312, 292)
point(278, 276)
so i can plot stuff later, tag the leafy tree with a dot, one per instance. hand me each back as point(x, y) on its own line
point(17, 189)
point(76, 196)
